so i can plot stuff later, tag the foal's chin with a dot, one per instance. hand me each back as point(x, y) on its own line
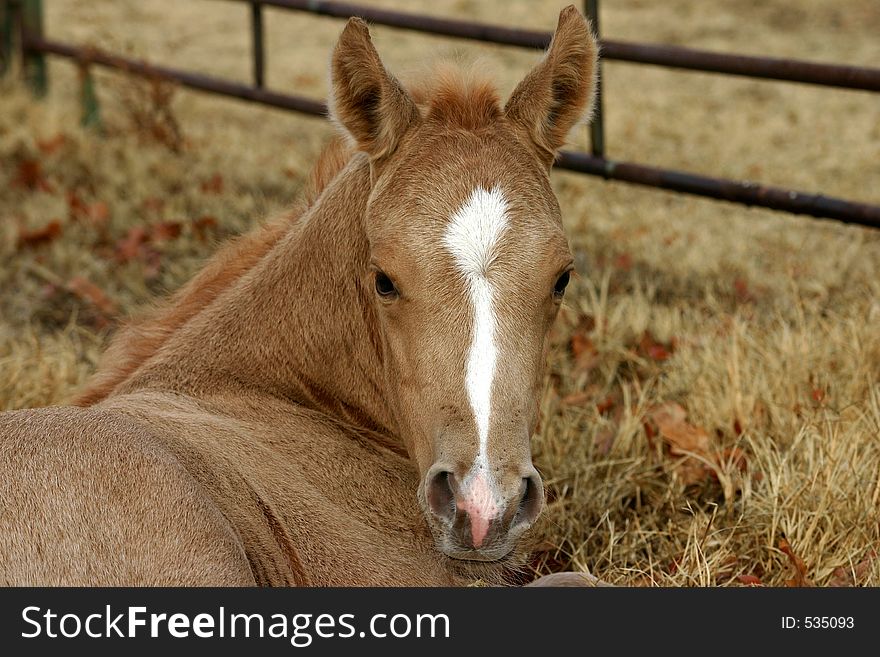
point(501, 550)
point(490, 555)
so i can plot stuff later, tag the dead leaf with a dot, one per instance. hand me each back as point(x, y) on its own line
point(684, 439)
point(202, 225)
point(623, 261)
point(214, 185)
point(800, 569)
point(30, 176)
point(129, 247)
point(165, 231)
point(577, 398)
point(681, 436)
point(853, 576)
point(99, 213)
point(51, 145)
point(749, 580)
point(153, 204)
point(605, 405)
point(604, 440)
point(584, 353)
point(40, 235)
point(585, 324)
point(691, 471)
point(653, 349)
point(88, 291)
point(77, 208)
point(741, 290)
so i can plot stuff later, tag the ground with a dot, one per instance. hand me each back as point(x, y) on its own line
point(712, 408)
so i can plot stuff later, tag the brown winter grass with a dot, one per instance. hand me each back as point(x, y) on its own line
point(764, 328)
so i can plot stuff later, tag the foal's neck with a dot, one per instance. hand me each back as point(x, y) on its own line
point(299, 325)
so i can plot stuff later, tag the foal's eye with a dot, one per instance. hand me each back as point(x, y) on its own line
point(384, 285)
point(561, 284)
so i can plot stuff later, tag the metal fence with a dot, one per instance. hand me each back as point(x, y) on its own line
point(24, 18)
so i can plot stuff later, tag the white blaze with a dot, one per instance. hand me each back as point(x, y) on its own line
point(472, 237)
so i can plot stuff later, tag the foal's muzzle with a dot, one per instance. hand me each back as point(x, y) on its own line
point(479, 516)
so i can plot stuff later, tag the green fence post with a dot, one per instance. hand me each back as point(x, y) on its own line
point(6, 14)
point(597, 125)
point(33, 63)
point(91, 110)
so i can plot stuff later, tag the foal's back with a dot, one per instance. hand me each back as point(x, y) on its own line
point(160, 489)
point(91, 497)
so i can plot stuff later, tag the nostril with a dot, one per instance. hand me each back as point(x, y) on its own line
point(441, 499)
point(531, 500)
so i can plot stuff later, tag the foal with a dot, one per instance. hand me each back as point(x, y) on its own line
point(347, 396)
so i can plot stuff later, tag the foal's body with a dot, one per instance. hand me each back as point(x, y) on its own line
point(230, 500)
point(233, 472)
point(317, 406)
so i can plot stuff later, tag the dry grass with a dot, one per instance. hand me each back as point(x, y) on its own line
point(761, 326)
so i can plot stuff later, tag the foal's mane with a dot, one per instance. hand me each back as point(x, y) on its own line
point(451, 96)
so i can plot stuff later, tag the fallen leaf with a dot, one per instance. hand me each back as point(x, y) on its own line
point(800, 569)
point(99, 213)
point(580, 344)
point(77, 208)
point(40, 235)
point(585, 324)
point(577, 398)
point(606, 404)
point(653, 349)
point(88, 291)
point(165, 231)
point(214, 185)
point(30, 176)
point(749, 580)
point(203, 224)
point(49, 146)
point(623, 261)
point(129, 247)
point(681, 436)
point(584, 352)
point(684, 439)
point(649, 433)
point(153, 204)
point(741, 290)
point(853, 576)
point(604, 440)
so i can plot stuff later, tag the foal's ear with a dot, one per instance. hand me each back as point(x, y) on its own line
point(559, 90)
point(368, 101)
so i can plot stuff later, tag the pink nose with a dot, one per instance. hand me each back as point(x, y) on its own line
point(479, 512)
point(478, 502)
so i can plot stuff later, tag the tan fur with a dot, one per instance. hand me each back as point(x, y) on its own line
point(278, 421)
point(559, 91)
point(143, 337)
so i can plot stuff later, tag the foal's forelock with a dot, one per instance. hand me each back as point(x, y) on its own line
point(472, 239)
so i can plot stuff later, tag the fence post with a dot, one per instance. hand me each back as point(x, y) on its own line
point(91, 110)
point(7, 20)
point(597, 126)
point(33, 63)
point(257, 32)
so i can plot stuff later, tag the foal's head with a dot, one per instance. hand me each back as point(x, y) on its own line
point(468, 267)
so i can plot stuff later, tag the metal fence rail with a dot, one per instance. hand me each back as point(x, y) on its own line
point(771, 68)
point(34, 45)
